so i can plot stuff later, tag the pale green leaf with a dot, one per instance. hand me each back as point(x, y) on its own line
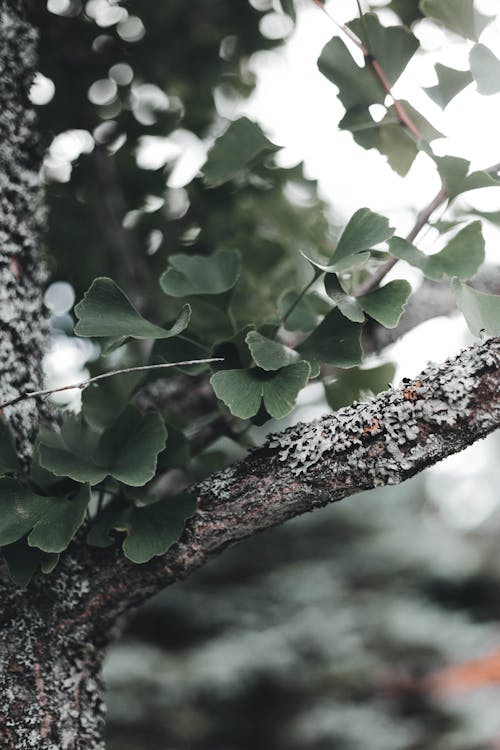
point(456, 176)
point(450, 83)
point(280, 392)
point(485, 68)
point(462, 256)
point(481, 311)
point(268, 354)
point(459, 16)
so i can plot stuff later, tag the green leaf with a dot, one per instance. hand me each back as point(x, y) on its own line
point(455, 173)
point(392, 46)
point(450, 83)
point(348, 306)
point(485, 68)
point(336, 341)
point(102, 402)
point(9, 461)
point(481, 311)
point(180, 349)
point(240, 390)
point(106, 311)
point(365, 229)
point(130, 447)
point(201, 274)
point(457, 15)
point(242, 142)
point(358, 87)
point(22, 562)
point(127, 450)
point(52, 521)
point(280, 393)
point(112, 518)
point(177, 452)
point(387, 303)
point(243, 390)
point(397, 144)
point(407, 10)
point(462, 256)
point(304, 316)
point(153, 529)
point(267, 354)
point(60, 522)
point(354, 384)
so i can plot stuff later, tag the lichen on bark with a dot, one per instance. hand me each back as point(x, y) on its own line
point(23, 321)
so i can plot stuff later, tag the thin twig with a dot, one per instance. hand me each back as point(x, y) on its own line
point(422, 219)
point(81, 386)
point(371, 60)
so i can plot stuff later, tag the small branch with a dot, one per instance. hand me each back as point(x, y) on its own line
point(81, 386)
point(379, 442)
point(371, 60)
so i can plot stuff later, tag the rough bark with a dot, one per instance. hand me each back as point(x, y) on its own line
point(23, 323)
point(49, 676)
point(380, 442)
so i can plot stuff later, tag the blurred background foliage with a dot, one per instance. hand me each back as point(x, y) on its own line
point(339, 630)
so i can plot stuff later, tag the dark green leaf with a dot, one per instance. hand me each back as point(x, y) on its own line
point(267, 354)
point(242, 142)
point(459, 16)
point(102, 402)
point(52, 521)
point(336, 341)
point(106, 311)
point(462, 256)
point(176, 453)
point(485, 68)
point(450, 83)
point(60, 522)
point(9, 461)
point(481, 311)
point(303, 317)
point(358, 87)
point(180, 349)
point(130, 447)
point(347, 305)
point(354, 384)
point(22, 562)
point(201, 274)
point(387, 303)
point(152, 530)
point(407, 10)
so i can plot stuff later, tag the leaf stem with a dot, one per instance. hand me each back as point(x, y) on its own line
point(297, 299)
point(81, 386)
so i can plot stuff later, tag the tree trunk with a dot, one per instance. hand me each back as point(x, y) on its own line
point(50, 685)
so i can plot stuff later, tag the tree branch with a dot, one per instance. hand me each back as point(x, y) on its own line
point(380, 442)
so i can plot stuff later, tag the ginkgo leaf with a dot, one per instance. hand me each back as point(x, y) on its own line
point(481, 311)
point(458, 179)
point(153, 529)
point(243, 390)
point(450, 83)
point(242, 142)
point(353, 384)
point(365, 229)
point(9, 461)
point(336, 341)
point(485, 67)
point(268, 354)
point(461, 257)
point(106, 311)
point(459, 16)
point(348, 306)
point(201, 274)
point(387, 303)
